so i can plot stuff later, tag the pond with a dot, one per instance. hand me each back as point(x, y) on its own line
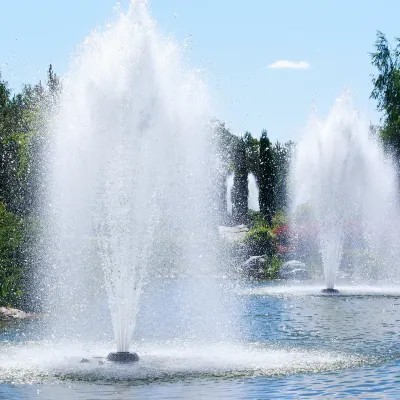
point(298, 343)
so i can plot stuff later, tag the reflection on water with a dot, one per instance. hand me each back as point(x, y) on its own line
point(331, 336)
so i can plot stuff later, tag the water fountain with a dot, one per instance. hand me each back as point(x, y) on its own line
point(131, 177)
point(348, 186)
point(129, 218)
point(253, 193)
point(229, 187)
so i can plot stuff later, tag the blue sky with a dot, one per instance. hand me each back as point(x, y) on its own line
point(234, 42)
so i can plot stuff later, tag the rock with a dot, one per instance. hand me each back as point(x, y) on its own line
point(100, 363)
point(233, 234)
point(294, 270)
point(84, 361)
point(7, 313)
point(254, 266)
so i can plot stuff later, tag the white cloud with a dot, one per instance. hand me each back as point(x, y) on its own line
point(286, 64)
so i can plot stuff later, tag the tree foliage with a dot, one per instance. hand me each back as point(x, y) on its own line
point(267, 178)
point(268, 162)
point(240, 191)
point(386, 89)
point(21, 143)
point(282, 154)
point(252, 153)
point(11, 267)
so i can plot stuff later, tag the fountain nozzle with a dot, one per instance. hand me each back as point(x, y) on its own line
point(330, 291)
point(123, 357)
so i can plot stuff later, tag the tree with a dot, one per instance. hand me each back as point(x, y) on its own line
point(22, 139)
point(281, 155)
point(9, 185)
point(240, 191)
point(53, 81)
point(252, 152)
point(387, 90)
point(266, 178)
point(10, 258)
point(225, 143)
point(19, 120)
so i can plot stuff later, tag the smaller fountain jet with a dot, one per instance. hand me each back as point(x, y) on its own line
point(337, 176)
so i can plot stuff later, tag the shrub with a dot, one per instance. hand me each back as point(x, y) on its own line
point(273, 267)
point(256, 219)
point(260, 241)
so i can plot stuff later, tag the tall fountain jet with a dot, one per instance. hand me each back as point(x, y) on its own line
point(229, 187)
point(130, 173)
point(253, 193)
point(342, 176)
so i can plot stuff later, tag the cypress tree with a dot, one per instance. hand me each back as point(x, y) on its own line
point(281, 154)
point(252, 151)
point(240, 191)
point(266, 178)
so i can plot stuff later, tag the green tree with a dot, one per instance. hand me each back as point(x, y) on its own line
point(386, 90)
point(9, 113)
point(252, 153)
point(225, 144)
point(266, 178)
point(240, 191)
point(54, 87)
point(21, 122)
point(281, 155)
point(11, 267)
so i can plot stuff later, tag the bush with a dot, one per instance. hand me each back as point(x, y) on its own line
point(279, 219)
point(256, 219)
point(273, 267)
point(260, 240)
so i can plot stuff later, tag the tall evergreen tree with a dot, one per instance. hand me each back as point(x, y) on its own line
point(225, 144)
point(252, 153)
point(240, 191)
point(53, 82)
point(266, 178)
point(281, 155)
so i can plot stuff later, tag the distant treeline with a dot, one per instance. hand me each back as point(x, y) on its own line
point(23, 145)
point(22, 121)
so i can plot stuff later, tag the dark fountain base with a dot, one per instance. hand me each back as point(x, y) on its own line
point(123, 357)
point(330, 291)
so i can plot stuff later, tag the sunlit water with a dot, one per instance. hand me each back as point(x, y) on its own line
point(300, 343)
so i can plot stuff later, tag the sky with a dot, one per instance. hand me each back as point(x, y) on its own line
point(266, 62)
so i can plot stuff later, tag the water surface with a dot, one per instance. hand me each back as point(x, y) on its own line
point(298, 344)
